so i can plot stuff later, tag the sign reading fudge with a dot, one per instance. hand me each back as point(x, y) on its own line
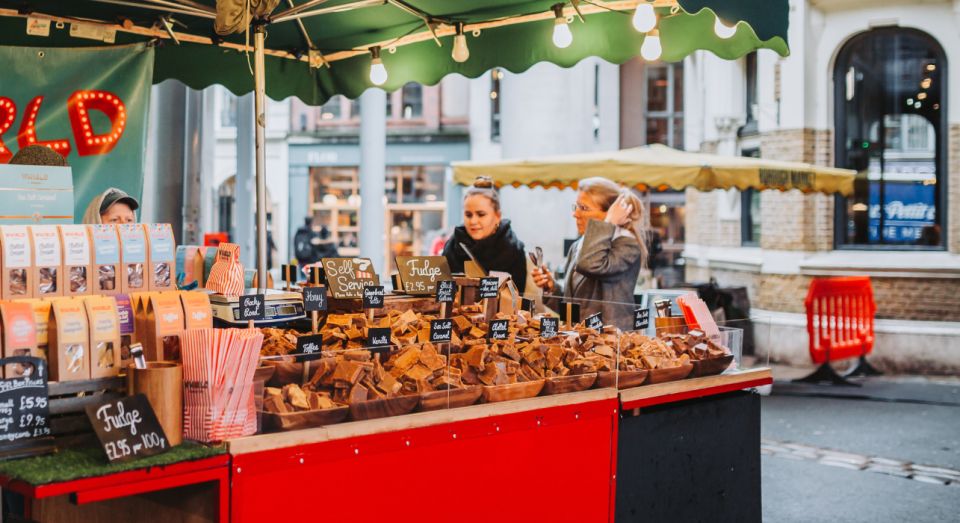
point(127, 428)
point(419, 275)
point(347, 277)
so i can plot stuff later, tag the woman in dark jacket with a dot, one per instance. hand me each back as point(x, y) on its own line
point(488, 237)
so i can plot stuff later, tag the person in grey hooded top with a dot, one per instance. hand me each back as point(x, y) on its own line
point(603, 265)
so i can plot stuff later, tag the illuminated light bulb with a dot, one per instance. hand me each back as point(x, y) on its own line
point(722, 30)
point(922, 96)
point(378, 73)
point(562, 36)
point(644, 18)
point(931, 67)
point(651, 48)
point(461, 53)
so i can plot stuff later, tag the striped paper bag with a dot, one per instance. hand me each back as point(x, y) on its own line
point(226, 275)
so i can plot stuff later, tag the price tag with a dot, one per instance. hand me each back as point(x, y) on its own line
point(499, 329)
point(290, 273)
point(373, 297)
point(549, 327)
point(314, 299)
point(419, 275)
point(595, 321)
point(441, 331)
point(378, 340)
point(641, 319)
point(574, 312)
point(489, 288)
point(310, 346)
point(527, 305)
point(127, 428)
point(24, 401)
point(316, 275)
point(252, 307)
point(446, 291)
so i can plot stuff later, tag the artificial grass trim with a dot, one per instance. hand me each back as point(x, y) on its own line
point(90, 461)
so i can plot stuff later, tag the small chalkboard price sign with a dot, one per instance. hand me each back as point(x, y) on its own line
point(347, 277)
point(489, 288)
point(127, 428)
point(641, 319)
point(499, 329)
point(446, 291)
point(373, 297)
point(314, 299)
point(253, 307)
point(570, 312)
point(549, 327)
point(310, 346)
point(290, 274)
point(595, 321)
point(24, 403)
point(419, 275)
point(527, 305)
point(378, 340)
point(441, 331)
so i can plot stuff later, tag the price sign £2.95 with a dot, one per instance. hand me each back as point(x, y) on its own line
point(127, 428)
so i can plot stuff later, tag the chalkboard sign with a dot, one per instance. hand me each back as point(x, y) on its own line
point(446, 291)
point(127, 428)
point(378, 340)
point(595, 321)
point(314, 299)
point(290, 273)
point(316, 275)
point(252, 307)
point(347, 277)
point(641, 319)
point(441, 331)
point(310, 346)
point(574, 310)
point(489, 287)
point(419, 275)
point(527, 305)
point(549, 327)
point(499, 329)
point(373, 297)
point(24, 408)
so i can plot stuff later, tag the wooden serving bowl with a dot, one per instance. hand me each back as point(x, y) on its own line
point(711, 366)
point(305, 419)
point(669, 374)
point(512, 391)
point(382, 408)
point(573, 383)
point(627, 380)
point(443, 399)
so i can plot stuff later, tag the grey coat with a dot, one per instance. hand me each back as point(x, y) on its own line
point(601, 273)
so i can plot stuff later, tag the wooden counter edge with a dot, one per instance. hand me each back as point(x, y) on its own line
point(688, 388)
point(353, 429)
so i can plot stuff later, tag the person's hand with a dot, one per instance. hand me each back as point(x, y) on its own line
point(543, 278)
point(619, 213)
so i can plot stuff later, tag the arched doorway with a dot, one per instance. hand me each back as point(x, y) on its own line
point(890, 101)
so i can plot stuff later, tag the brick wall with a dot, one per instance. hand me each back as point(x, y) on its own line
point(703, 223)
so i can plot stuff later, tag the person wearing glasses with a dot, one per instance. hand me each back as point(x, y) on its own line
point(603, 264)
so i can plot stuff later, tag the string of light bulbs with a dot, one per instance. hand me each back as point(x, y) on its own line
point(645, 20)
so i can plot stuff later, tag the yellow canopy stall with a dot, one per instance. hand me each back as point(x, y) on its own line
point(659, 167)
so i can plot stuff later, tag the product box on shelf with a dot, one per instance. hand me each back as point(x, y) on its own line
point(16, 277)
point(104, 336)
point(68, 352)
point(47, 269)
point(77, 272)
point(163, 327)
point(106, 259)
point(127, 328)
point(41, 318)
point(19, 335)
point(138, 302)
point(187, 263)
point(196, 310)
point(133, 257)
point(162, 250)
point(40, 194)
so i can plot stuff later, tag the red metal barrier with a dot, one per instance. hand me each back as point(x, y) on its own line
point(840, 318)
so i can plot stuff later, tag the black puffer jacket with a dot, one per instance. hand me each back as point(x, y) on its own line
point(501, 251)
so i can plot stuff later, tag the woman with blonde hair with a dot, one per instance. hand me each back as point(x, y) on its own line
point(603, 265)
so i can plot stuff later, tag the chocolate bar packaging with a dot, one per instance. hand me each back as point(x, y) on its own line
point(163, 327)
point(19, 336)
point(16, 277)
point(133, 258)
point(161, 273)
point(127, 328)
point(77, 269)
point(47, 261)
point(104, 336)
point(106, 259)
point(68, 353)
point(196, 310)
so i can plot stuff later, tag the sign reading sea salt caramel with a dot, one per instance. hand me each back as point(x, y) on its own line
point(641, 319)
point(127, 428)
point(347, 277)
point(419, 275)
point(441, 331)
point(499, 329)
point(446, 291)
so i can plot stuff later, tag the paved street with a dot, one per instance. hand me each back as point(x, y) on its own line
point(828, 459)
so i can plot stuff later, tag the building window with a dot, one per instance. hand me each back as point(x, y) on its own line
point(750, 217)
point(412, 101)
point(228, 108)
point(495, 76)
point(891, 110)
point(663, 114)
point(332, 109)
